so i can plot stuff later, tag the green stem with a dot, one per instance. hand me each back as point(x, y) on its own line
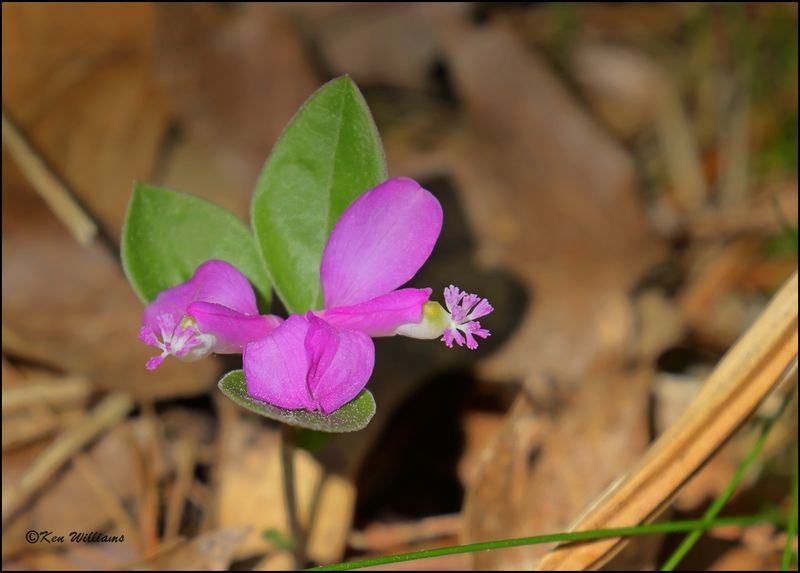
point(290, 496)
point(671, 527)
point(723, 498)
point(791, 525)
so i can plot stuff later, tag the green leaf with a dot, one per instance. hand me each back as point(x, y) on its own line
point(353, 416)
point(329, 154)
point(312, 441)
point(783, 244)
point(278, 539)
point(167, 235)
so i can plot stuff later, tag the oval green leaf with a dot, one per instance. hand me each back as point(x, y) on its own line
point(168, 234)
point(353, 416)
point(329, 154)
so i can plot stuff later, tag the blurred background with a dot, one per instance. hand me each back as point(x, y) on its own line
point(620, 180)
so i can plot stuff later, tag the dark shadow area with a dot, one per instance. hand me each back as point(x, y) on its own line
point(422, 387)
point(453, 262)
point(412, 470)
point(679, 359)
point(482, 11)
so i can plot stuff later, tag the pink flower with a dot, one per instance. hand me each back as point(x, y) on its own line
point(464, 309)
point(214, 311)
point(322, 360)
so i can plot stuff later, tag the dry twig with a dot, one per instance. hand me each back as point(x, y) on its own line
point(108, 413)
point(48, 185)
point(735, 388)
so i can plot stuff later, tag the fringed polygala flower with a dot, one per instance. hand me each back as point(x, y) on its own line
point(462, 310)
point(214, 311)
point(323, 359)
point(308, 363)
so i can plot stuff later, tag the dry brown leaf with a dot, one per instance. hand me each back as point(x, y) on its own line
point(768, 275)
point(236, 77)
point(28, 426)
point(623, 86)
point(679, 150)
point(68, 502)
point(492, 504)
point(249, 481)
point(109, 412)
point(547, 463)
point(332, 519)
point(185, 460)
point(212, 551)
point(458, 562)
point(77, 81)
point(277, 561)
point(194, 166)
point(11, 375)
point(630, 92)
point(380, 44)
point(621, 23)
point(402, 367)
point(771, 203)
point(672, 394)
point(479, 428)
point(542, 190)
point(659, 323)
point(37, 403)
point(542, 184)
point(734, 181)
point(732, 392)
point(384, 537)
point(74, 557)
point(47, 183)
point(71, 308)
point(716, 270)
point(717, 302)
point(745, 559)
point(56, 391)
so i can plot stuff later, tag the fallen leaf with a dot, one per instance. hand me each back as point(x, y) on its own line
point(250, 483)
point(212, 551)
point(761, 358)
point(87, 324)
point(69, 503)
point(543, 210)
point(236, 77)
point(372, 42)
point(541, 183)
point(77, 80)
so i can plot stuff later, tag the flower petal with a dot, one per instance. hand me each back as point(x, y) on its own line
point(275, 366)
point(232, 330)
point(380, 242)
point(340, 363)
point(380, 316)
point(310, 364)
point(214, 281)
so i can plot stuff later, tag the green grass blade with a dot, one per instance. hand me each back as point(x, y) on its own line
point(791, 525)
point(723, 498)
point(670, 527)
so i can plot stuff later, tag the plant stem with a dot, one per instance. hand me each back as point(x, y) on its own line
point(791, 525)
point(290, 495)
point(723, 498)
point(671, 527)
